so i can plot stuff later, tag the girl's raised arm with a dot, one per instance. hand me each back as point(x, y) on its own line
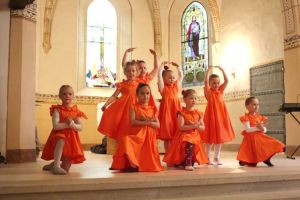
point(125, 55)
point(180, 72)
point(160, 78)
point(155, 69)
point(224, 85)
point(206, 80)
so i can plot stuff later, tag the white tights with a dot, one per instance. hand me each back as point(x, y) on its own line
point(217, 148)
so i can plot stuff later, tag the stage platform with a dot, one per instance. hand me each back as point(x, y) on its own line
point(92, 180)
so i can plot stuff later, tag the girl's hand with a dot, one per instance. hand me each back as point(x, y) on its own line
point(103, 108)
point(260, 126)
point(189, 122)
point(174, 64)
point(130, 49)
point(69, 120)
point(153, 52)
point(72, 125)
point(219, 67)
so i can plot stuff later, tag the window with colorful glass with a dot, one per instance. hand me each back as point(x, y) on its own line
point(194, 44)
point(101, 50)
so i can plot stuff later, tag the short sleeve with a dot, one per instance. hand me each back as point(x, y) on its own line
point(119, 85)
point(82, 115)
point(52, 108)
point(244, 119)
point(221, 89)
point(200, 114)
point(263, 118)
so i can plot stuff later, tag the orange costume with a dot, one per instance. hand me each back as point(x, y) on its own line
point(72, 148)
point(140, 145)
point(115, 119)
point(169, 106)
point(257, 146)
point(176, 151)
point(218, 128)
point(146, 79)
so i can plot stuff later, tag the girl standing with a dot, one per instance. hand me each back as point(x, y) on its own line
point(170, 103)
point(115, 119)
point(218, 128)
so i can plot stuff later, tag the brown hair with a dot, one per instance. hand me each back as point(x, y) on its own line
point(166, 70)
point(213, 76)
point(61, 89)
point(186, 93)
point(141, 85)
point(249, 100)
point(140, 61)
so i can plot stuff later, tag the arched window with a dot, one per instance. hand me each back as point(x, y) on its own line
point(101, 50)
point(194, 44)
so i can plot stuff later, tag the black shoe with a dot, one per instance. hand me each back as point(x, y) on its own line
point(252, 164)
point(130, 169)
point(241, 163)
point(268, 162)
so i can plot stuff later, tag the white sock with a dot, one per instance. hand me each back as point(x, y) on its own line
point(217, 151)
point(207, 149)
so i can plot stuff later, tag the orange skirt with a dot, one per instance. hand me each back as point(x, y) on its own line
point(168, 118)
point(115, 120)
point(140, 150)
point(72, 148)
point(176, 151)
point(257, 147)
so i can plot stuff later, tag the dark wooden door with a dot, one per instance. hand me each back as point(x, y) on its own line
point(267, 84)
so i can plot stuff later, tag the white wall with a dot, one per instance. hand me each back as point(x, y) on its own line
point(4, 52)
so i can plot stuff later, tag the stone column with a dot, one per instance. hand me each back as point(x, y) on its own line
point(291, 14)
point(20, 143)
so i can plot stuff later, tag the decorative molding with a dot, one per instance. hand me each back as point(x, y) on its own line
point(292, 42)
point(215, 15)
point(289, 16)
point(29, 12)
point(48, 19)
point(229, 96)
point(86, 100)
point(155, 10)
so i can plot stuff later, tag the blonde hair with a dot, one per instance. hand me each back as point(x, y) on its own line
point(129, 63)
point(61, 89)
point(166, 70)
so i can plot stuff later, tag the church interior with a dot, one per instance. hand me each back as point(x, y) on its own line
point(48, 43)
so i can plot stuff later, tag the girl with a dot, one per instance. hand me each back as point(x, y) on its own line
point(186, 147)
point(143, 75)
point(115, 119)
point(63, 143)
point(256, 145)
point(218, 128)
point(170, 104)
point(138, 150)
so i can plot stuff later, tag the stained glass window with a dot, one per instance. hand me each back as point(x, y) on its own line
point(101, 51)
point(194, 44)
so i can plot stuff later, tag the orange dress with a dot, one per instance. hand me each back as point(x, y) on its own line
point(115, 119)
point(257, 146)
point(72, 149)
point(139, 146)
point(146, 79)
point(218, 128)
point(176, 151)
point(169, 106)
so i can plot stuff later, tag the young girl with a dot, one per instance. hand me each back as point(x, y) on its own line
point(143, 75)
point(115, 118)
point(63, 143)
point(218, 128)
point(186, 147)
point(256, 145)
point(138, 150)
point(170, 104)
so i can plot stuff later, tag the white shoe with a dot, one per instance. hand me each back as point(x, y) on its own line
point(217, 161)
point(189, 168)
